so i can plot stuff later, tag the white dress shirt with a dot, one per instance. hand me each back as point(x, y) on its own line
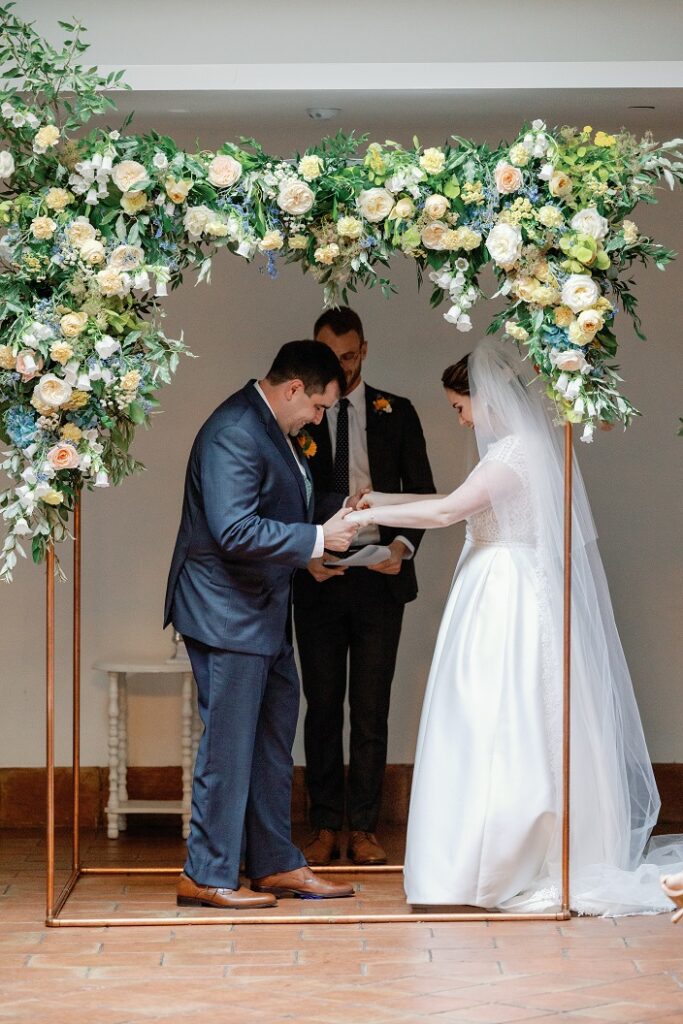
point(359, 462)
point(319, 547)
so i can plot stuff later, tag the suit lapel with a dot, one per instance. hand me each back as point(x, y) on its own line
point(275, 433)
point(374, 433)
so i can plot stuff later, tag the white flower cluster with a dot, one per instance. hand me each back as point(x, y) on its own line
point(462, 295)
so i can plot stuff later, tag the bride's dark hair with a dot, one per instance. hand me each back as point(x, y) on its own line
point(456, 377)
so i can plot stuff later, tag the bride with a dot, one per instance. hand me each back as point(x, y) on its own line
point(485, 822)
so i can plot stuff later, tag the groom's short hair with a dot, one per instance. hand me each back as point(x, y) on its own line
point(340, 321)
point(308, 361)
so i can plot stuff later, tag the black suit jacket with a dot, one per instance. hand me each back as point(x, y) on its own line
point(398, 462)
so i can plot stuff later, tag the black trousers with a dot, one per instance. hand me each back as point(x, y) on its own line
point(351, 628)
point(242, 785)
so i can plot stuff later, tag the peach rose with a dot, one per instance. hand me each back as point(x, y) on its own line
point(508, 178)
point(128, 174)
point(29, 364)
point(224, 171)
point(434, 235)
point(63, 456)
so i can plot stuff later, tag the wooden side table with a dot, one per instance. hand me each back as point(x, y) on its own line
point(119, 806)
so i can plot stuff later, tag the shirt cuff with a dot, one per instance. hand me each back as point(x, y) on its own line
point(319, 548)
point(411, 547)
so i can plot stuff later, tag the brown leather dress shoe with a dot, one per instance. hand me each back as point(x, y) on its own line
point(301, 884)
point(189, 894)
point(364, 849)
point(321, 847)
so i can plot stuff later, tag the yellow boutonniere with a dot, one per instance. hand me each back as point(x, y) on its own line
point(307, 444)
point(382, 404)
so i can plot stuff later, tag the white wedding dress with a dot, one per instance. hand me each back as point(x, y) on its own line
point(485, 821)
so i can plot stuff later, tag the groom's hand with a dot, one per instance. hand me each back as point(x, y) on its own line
point(392, 566)
point(338, 533)
point(321, 572)
point(356, 500)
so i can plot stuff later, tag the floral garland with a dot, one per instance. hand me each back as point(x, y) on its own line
point(98, 225)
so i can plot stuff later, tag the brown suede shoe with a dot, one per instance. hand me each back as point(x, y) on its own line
point(301, 884)
point(321, 847)
point(364, 849)
point(189, 894)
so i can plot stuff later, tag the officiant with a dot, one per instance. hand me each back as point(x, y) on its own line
point(348, 621)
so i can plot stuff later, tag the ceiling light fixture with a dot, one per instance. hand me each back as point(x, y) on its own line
point(641, 106)
point(322, 113)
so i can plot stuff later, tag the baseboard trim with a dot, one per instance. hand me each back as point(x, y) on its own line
point(22, 793)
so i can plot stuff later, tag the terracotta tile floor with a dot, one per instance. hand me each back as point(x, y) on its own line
point(584, 970)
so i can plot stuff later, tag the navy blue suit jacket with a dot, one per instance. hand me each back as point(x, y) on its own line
point(245, 528)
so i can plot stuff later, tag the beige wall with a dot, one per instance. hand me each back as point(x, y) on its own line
point(234, 326)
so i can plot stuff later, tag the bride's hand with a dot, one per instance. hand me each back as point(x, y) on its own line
point(358, 519)
point(369, 499)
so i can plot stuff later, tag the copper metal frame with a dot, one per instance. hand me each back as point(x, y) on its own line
point(55, 905)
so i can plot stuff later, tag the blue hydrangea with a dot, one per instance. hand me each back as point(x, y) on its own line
point(20, 425)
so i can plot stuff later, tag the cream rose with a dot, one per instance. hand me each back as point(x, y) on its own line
point(504, 244)
point(349, 227)
point(177, 190)
point(6, 164)
point(61, 352)
point(560, 184)
point(590, 222)
point(576, 335)
point(432, 160)
point(133, 202)
point(53, 497)
point(92, 251)
point(131, 380)
point(525, 288)
point(195, 220)
point(63, 456)
point(310, 167)
point(29, 364)
point(375, 204)
point(436, 206)
point(45, 138)
point(271, 241)
point(327, 254)
point(43, 227)
point(434, 235)
point(224, 171)
point(295, 197)
point(590, 321)
point(570, 361)
point(127, 257)
point(80, 231)
point(516, 331)
point(579, 292)
point(58, 198)
point(72, 324)
point(297, 241)
point(111, 282)
point(128, 174)
point(7, 358)
point(508, 178)
point(519, 155)
point(464, 238)
point(51, 391)
point(217, 228)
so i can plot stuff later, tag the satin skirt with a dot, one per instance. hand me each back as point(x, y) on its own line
point(485, 802)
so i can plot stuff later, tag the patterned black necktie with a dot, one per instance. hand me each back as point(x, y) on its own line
point(341, 454)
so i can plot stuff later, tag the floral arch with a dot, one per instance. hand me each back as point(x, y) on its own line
point(99, 224)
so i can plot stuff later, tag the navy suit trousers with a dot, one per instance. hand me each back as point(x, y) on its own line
point(242, 786)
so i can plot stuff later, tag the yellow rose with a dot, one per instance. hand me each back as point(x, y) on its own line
point(43, 227)
point(131, 380)
point(72, 324)
point(58, 198)
point(466, 239)
point(349, 227)
point(297, 241)
point(271, 241)
point(519, 155)
point(560, 184)
point(432, 160)
point(46, 138)
point(310, 167)
point(525, 288)
point(216, 228)
point(327, 254)
point(53, 497)
point(576, 335)
point(177, 190)
point(516, 331)
point(61, 352)
point(133, 202)
point(550, 217)
point(77, 401)
point(70, 432)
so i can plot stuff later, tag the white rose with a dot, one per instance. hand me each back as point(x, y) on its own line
point(160, 161)
point(195, 220)
point(504, 243)
point(570, 361)
point(43, 227)
point(6, 164)
point(106, 346)
point(433, 160)
point(436, 206)
point(579, 292)
point(405, 209)
point(80, 231)
point(112, 282)
point(310, 167)
point(375, 204)
point(52, 391)
point(126, 257)
point(590, 321)
point(432, 236)
point(560, 184)
point(224, 171)
point(590, 222)
point(295, 197)
point(92, 251)
point(128, 174)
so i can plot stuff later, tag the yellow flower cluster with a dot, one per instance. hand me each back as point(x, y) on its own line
point(77, 401)
point(473, 192)
point(518, 211)
point(70, 432)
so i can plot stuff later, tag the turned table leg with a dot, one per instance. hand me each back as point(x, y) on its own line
point(113, 744)
point(123, 747)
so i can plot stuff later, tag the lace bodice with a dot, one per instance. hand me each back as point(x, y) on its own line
point(483, 527)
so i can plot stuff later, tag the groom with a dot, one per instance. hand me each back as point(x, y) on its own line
point(246, 526)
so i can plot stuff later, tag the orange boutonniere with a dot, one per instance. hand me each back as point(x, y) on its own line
point(382, 404)
point(307, 444)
